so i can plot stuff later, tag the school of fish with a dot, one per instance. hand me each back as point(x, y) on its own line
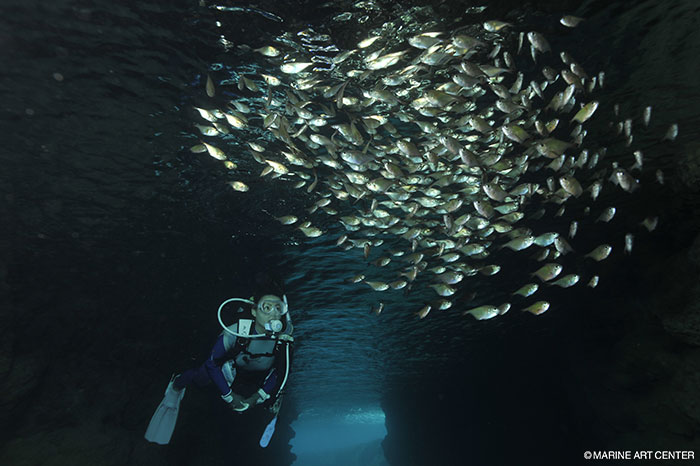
point(429, 151)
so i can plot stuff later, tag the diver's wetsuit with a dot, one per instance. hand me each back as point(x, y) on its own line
point(263, 362)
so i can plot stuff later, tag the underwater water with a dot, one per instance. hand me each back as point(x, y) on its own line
point(118, 244)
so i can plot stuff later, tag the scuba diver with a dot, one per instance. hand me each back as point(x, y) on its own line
point(249, 365)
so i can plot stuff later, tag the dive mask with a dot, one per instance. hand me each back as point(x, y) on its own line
point(268, 307)
point(269, 304)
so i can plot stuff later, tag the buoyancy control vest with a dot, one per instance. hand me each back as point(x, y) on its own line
point(256, 353)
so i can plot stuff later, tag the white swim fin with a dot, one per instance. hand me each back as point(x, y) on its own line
point(162, 424)
point(267, 435)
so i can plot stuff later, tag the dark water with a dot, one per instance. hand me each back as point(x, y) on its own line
point(117, 243)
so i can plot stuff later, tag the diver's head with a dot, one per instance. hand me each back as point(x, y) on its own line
point(268, 313)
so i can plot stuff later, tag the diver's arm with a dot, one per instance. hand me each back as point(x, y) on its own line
point(213, 365)
point(278, 375)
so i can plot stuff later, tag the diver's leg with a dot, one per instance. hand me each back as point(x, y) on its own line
point(198, 376)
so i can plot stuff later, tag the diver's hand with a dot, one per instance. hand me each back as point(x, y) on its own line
point(253, 400)
point(261, 396)
point(239, 405)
